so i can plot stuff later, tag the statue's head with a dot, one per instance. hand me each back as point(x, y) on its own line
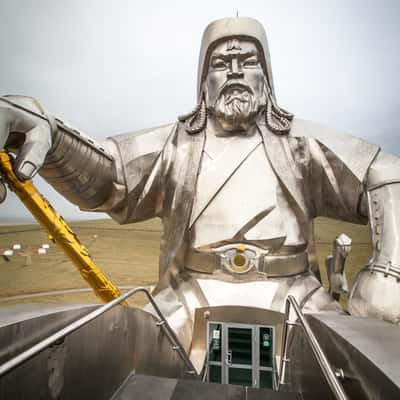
point(235, 82)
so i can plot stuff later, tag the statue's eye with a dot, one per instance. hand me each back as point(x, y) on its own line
point(251, 62)
point(218, 63)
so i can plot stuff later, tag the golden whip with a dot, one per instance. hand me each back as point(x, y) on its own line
point(59, 231)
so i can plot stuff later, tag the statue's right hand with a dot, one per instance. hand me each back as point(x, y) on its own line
point(26, 135)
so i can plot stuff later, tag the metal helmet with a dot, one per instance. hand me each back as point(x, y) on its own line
point(222, 29)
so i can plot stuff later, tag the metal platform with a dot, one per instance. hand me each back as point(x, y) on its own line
point(114, 352)
point(147, 387)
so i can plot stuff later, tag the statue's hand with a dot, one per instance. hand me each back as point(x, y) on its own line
point(24, 134)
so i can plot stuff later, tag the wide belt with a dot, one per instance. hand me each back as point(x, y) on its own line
point(238, 260)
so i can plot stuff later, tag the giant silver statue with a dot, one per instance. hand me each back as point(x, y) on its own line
point(236, 183)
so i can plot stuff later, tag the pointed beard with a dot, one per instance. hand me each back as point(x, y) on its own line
point(236, 111)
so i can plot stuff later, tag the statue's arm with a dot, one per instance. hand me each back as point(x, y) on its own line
point(80, 169)
point(376, 291)
point(77, 167)
point(382, 196)
point(119, 176)
point(353, 180)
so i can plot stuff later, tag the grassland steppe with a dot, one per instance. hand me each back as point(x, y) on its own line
point(127, 254)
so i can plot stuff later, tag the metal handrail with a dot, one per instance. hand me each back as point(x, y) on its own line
point(42, 345)
point(327, 370)
point(204, 377)
point(205, 372)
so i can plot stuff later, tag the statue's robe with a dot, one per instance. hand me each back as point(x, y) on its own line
point(318, 172)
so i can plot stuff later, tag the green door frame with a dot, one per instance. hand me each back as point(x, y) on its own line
point(225, 363)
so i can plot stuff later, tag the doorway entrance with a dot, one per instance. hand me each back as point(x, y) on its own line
point(241, 354)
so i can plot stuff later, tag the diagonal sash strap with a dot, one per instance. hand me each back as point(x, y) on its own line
point(224, 167)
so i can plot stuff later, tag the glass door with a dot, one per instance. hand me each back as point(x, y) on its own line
point(265, 346)
point(239, 355)
point(215, 364)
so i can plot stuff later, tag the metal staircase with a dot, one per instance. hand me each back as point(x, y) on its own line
point(149, 387)
point(146, 387)
point(72, 327)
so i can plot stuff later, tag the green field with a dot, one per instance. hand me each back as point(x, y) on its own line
point(127, 254)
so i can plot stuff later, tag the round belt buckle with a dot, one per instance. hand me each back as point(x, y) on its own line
point(238, 260)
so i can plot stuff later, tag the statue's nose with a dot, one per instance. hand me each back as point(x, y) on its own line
point(235, 72)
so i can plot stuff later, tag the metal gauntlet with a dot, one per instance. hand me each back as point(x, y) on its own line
point(376, 291)
point(78, 168)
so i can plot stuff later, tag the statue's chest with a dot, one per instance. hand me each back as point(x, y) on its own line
point(237, 191)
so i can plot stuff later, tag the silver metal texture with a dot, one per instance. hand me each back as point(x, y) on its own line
point(319, 354)
point(335, 266)
point(73, 326)
point(376, 291)
point(75, 165)
point(226, 28)
point(248, 261)
point(239, 170)
point(86, 180)
point(365, 350)
point(91, 362)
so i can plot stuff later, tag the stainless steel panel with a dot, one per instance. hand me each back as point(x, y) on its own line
point(364, 351)
point(91, 362)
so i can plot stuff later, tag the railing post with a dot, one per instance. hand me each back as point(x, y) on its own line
point(284, 359)
point(327, 370)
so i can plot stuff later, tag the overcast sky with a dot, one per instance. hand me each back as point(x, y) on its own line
point(115, 66)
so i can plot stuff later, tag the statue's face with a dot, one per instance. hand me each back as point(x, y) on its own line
point(235, 85)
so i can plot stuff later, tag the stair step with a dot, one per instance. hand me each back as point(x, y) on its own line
point(146, 387)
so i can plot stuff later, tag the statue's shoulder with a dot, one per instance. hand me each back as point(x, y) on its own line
point(148, 143)
point(318, 131)
point(150, 137)
point(357, 154)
